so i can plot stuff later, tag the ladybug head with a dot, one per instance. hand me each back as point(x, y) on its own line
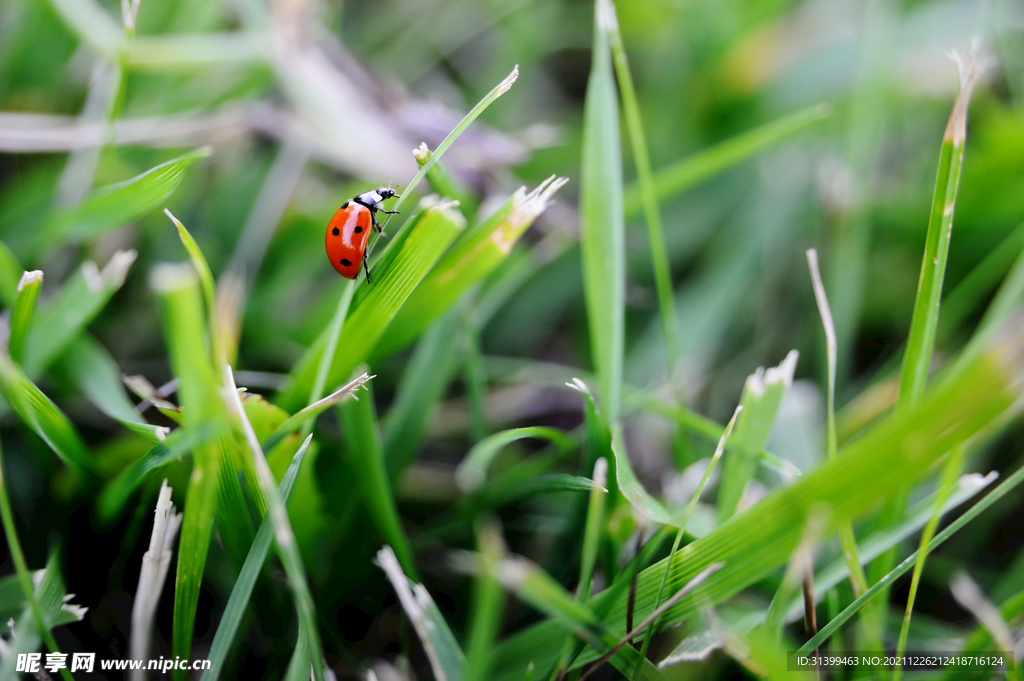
point(387, 193)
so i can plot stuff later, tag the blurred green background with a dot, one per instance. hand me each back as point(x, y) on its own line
point(307, 103)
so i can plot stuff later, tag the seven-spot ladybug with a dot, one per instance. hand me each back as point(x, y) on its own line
point(349, 230)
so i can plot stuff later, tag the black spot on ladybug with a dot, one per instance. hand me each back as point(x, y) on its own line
point(335, 231)
point(358, 229)
point(345, 262)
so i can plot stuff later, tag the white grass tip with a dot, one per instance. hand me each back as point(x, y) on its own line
point(601, 473)
point(968, 70)
point(30, 277)
point(168, 277)
point(605, 16)
point(579, 386)
point(762, 379)
point(506, 85)
point(422, 153)
point(977, 480)
point(970, 596)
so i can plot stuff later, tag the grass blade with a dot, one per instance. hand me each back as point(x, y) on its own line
point(21, 313)
point(645, 179)
point(39, 413)
point(446, 658)
point(477, 252)
point(24, 577)
point(362, 445)
point(184, 325)
point(472, 472)
point(762, 394)
point(487, 604)
point(283, 533)
point(91, 368)
point(909, 562)
point(603, 239)
point(80, 300)
point(761, 538)
point(426, 376)
point(11, 272)
point(114, 206)
point(699, 167)
point(231, 620)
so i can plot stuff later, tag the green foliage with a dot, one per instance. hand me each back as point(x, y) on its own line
point(753, 132)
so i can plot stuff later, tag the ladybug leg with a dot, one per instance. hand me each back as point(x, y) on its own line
point(390, 212)
point(376, 225)
point(366, 268)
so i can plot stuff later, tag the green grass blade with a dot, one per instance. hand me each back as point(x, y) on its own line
point(472, 472)
point(487, 604)
point(184, 325)
point(638, 497)
point(592, 529)
point(757, 541)
point(363, 449)
point(446, 658)
point(603, 239)
point(950, 471)
point(426, 376)
point(24, 576)
point(91, 23)
point(283, 533)
point(435, 156)
point(21, 314)
point(762, 394)
point(880, 541)
point(697, 168)
point(39, 413)
point(394, 278)
point(473, 373)
point(95, 373)
point(645, 180)
point(114, 206)
point(474, 255)
point(81, 298)
point(11, 272)
point(177, 445)
point(999, 492)
point(237, 603)
point(198, 261)
point(921, 341)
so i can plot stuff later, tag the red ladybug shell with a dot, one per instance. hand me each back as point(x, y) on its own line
point(347, 233)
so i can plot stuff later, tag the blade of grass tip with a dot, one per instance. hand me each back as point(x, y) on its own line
point(305, 415)
point(282, 527)
point(592, 529)
point(501, 88)
point(237, 603)
point(21, 314)
point(719, 449)
point(487, 603)
point(81, 298)
point(603, 239)
point(21, 566)
point(995, 495)
point(202, 268)
point(924, 321)
point(858, 580)
point(645, 179)
point(362, 446)
point(689, 171)
point(970, 596)
point(446, 658)
point(950, 472)
point(155, 564)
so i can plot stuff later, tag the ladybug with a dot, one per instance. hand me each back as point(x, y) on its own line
point(349, 230)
